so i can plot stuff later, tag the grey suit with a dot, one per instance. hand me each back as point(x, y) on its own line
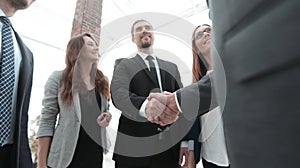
point(66, 133)
point(258, 42)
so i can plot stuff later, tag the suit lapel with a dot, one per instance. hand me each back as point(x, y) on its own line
point(77, 105)
point(26, 68)
point(143, 67)
point(162, 70)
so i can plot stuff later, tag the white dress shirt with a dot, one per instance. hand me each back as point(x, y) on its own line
point(142, 111)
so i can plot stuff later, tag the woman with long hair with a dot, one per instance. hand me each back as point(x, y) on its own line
point(213, 147)
point(79, 95)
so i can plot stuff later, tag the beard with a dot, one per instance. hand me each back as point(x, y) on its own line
point(146, 45)
point(20, 4)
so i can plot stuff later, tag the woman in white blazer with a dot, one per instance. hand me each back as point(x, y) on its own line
point(79, 95)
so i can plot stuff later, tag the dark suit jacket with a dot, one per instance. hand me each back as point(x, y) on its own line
point(193, 134)
point(130, 86)
point(21, 150)
point(258, 44)
point(197, 98)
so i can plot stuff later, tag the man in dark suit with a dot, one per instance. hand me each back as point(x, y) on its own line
point(142, 144)
point(261, 59)
point(260, 56)
point(16, 81)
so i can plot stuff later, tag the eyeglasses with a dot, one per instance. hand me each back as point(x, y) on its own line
point(140, 28)
point(201, 33)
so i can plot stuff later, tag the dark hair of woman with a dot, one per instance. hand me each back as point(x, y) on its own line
point(199, 68)
point(73, 49)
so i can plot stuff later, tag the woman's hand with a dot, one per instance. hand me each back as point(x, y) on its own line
point(104, 119)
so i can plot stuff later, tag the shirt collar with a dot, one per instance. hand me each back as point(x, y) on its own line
point(209, 71)
point(144, 55)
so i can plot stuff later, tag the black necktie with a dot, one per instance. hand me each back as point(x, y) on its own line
point(152, 69)
point(7, 79)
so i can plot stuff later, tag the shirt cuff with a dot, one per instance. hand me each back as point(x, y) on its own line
point(142, 111)
point(177, 103)
point(191, 145)
point(184, 144)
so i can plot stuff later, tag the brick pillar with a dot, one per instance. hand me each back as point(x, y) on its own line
point(87, 18)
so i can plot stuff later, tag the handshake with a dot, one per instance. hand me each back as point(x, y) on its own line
point(162, 108)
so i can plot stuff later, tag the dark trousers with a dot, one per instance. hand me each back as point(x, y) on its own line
point(5, 156)
point(119, 165)
point(158, 165)
point(207, 164)
point(165, 159)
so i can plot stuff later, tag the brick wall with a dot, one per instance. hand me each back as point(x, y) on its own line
point(87, 18)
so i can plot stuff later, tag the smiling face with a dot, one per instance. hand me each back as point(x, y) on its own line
point(202, 39)
point(142, 34)
point(90, 49)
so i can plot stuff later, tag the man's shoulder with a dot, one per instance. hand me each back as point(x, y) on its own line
point(165, 62)
point(125, 61)
point(122, 64)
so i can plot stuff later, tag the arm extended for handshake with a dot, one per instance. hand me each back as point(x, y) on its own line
point(192, 101)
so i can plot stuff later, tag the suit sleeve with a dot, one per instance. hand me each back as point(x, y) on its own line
point(50, 106)
point(196, 99)
point(127, 102)
point(193, 134)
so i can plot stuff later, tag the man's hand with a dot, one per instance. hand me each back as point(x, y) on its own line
point(162, 108)
point(191, 160)
point(154, 109)
point(183, 153)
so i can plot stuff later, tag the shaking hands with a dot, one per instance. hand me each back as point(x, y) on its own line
point(162, 108)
